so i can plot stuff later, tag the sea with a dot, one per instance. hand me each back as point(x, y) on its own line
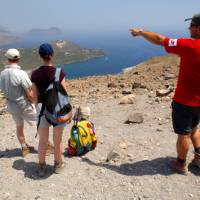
point(121, 51)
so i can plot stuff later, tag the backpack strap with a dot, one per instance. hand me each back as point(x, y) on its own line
point(57, 74)
point(40, 115)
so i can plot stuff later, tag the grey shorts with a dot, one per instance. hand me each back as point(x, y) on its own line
point(19, 115)
point(45, 124)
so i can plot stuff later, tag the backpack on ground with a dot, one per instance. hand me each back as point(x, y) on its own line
point(82, 138)
point(55, 104)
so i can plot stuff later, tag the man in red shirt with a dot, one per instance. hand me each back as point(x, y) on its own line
point(186, 101)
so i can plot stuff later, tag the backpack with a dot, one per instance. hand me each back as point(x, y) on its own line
point(55, 103)
point(82, 138)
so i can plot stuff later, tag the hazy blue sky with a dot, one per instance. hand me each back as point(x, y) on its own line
point(96, 15)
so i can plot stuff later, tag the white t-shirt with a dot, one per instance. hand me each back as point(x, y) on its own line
point(13, 83)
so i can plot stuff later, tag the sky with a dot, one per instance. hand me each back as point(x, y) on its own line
point(82, 16)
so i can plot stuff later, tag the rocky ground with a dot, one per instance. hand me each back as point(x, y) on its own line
point(132, 116)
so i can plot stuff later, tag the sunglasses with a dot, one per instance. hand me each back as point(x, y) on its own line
point(193, 25)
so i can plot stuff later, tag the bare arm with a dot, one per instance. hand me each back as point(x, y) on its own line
point(152, 37)
point(29, 94)
point(35, 93)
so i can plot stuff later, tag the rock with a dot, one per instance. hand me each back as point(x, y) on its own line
point(125, 92)
point(121, 85)
point(134, 118)
point(118, 152)
point(128, 99)
point(169, 76)
point(136, 85)
point(163, 92)
point(113, 155)
point(112, 85)
point(3, 110)
point(123, 145)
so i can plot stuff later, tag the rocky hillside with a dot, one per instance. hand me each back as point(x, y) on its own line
point(158, 73)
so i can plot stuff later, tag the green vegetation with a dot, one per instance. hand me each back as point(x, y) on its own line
point(65, 52)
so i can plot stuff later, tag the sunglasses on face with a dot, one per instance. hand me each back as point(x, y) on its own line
point(192, 25)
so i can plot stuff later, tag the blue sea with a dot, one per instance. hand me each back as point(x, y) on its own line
point(121, 51)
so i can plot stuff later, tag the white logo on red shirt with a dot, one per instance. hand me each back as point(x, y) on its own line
point(172, 42)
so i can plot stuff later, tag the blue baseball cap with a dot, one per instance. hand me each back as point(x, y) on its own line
point(45, 50)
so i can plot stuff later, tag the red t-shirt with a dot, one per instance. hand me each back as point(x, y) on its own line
point(188, 86)
point(42, 77)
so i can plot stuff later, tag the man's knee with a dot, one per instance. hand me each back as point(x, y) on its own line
point(183, 137)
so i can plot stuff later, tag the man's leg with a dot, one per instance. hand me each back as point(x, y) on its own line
point(182, 124)
point(182, 146)
point(21, 138)
point(20, 134)
point(195, 137)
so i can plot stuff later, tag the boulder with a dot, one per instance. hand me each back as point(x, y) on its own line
point(112, 85)
point(125, 92)
point(169, 76)
point(134, 118)
point(118, 151)
point(163, 92)
point(128, 99)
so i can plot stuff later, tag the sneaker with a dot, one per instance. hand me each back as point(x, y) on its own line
point(196, 160)
point(178, 167)
point(25, 151)
point(59, 167)
point(41, 170)
point(50, 149)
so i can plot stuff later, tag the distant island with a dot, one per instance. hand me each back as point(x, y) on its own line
point(65, 52)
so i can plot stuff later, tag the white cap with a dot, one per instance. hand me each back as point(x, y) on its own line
point(85, 111)
point(82, 113)
point(12, 54)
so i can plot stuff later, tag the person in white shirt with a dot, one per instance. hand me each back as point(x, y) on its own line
point(17, 89)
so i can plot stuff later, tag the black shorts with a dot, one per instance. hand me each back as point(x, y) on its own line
point(184, 118)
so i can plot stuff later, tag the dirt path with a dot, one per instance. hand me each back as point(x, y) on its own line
point(142, 173)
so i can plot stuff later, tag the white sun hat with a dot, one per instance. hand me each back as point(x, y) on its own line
point(12, 54)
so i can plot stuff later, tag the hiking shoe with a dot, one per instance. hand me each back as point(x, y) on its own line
point(50, 149)
point(41, 170)
point(59, 167)
point(25, 151)
point(178, 167)
point(31, 148)
point(196, 160)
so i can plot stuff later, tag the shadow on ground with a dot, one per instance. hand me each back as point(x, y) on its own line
point(193, 169)
point(141, 168)
point(30, 169)
point(10, 153)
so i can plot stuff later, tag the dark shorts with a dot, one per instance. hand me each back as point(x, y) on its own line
point(184, 118)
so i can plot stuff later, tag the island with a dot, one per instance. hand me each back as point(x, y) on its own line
point(65, 52)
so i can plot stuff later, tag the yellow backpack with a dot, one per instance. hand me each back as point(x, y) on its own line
point(82, 138)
